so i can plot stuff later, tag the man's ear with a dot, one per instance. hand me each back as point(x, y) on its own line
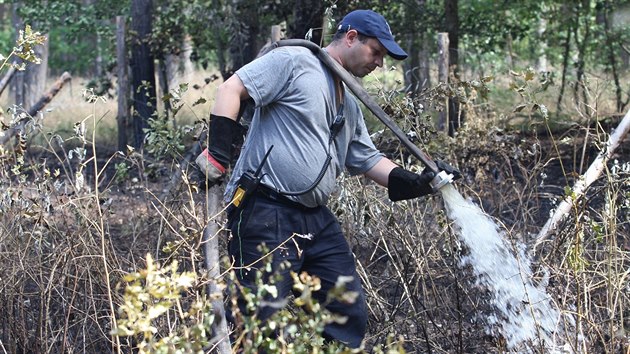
point(351, 36)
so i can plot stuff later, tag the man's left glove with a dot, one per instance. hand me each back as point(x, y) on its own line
point(403, 184)
point(443, 166)
point(214, 160)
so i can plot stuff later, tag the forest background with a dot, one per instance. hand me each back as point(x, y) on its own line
point(102, 217)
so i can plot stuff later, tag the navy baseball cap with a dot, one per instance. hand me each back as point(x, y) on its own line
point(372, 24)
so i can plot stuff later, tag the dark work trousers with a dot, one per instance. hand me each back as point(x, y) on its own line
point(326, 255)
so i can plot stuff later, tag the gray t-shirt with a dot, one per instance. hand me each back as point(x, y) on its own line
point(295, 106)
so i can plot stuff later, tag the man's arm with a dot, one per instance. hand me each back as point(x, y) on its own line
point(380, 172)
point(228, 98)
point(223, 129)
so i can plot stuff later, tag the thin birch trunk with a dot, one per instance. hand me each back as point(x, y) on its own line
point(211, 236)
point(593, 172)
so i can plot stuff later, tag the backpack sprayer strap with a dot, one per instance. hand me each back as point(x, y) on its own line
point(250, 183)
point(272, 194)
point(335, 127)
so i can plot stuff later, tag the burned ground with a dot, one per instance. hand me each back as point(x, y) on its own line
point(59, 243)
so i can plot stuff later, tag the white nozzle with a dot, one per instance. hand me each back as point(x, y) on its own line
point(440, 180)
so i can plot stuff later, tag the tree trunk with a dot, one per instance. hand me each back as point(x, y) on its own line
point(7, 78)
point(451, 25)
point(416, 67)
point(584, 14)
point(3, 13)
point(95, 39)
point(244, 31)
point(541, 46)
point(37, 107)
point(591, 175)
point(29, 84)
point(142, 69)
point(35, 76)
point(424, 70)
point(17, 85)
point(217, 20)
point(411, 66)
point(123, 83)
point(307, 15)
point(179, 67)
point(613, 50)
point(211, 236)
point(443, 70)
point(163, 86)
point(565, 67)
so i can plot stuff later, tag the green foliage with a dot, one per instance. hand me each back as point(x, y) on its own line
point(529, 90)
point(77, 16)
point(122, 172)
point(73, 28)
point(23, 49)
point(152, 293)
point(75, 54)
point(6, 39)
point(170, 27)
point(163, 139)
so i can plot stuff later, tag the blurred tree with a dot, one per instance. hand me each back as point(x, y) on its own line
point(122, 61)
point(142, 69)
point(29, 85)
point(417, 41)
point(582, 35)
point(614, 37)
point(244, 30)
point(456, 115)
point(308, 15)
point(171, 45)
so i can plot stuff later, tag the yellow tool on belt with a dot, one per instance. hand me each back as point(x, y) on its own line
point(248, 183)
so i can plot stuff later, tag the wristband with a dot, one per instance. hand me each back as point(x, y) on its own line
point(212, 160)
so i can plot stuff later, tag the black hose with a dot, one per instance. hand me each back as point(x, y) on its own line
point(363, 96)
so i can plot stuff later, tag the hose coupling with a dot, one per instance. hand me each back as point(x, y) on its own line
point(440, 180)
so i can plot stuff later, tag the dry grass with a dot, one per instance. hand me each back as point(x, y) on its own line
point(65, 247)
point(70, 107)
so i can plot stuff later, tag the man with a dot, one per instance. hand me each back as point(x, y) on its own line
point(311, 129)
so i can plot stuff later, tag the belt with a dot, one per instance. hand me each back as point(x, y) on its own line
point(276, 196)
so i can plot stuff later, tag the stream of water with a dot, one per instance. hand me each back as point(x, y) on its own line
point(524, 314)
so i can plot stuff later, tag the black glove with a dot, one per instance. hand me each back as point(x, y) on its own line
point(403, 184)
point(214, 160)
point(443, 166)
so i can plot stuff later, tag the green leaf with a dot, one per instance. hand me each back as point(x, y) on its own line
point(568, 191)
point(201, 100)
point(529, 74)
point(158, 309)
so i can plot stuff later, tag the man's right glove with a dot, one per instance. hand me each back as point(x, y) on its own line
point(214, 160)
